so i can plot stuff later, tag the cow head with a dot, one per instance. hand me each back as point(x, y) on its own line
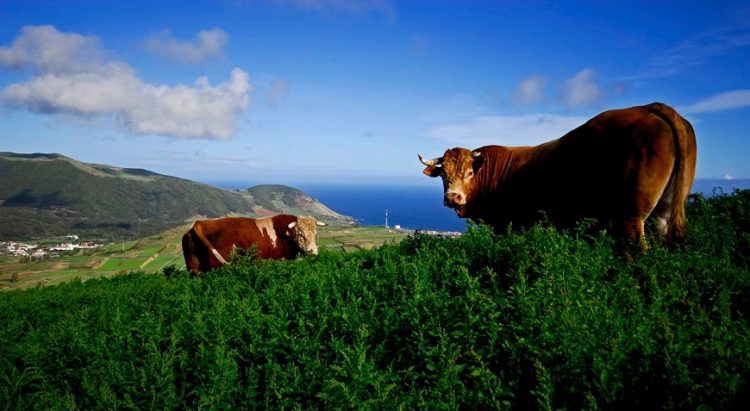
point(305, 234)
point(458, 167)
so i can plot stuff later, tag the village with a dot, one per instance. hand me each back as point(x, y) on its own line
point(35, 252)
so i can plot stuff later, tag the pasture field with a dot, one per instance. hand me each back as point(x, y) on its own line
point(153, 254)
point(538, 319)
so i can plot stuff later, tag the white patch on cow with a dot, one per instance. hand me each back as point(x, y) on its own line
point(265, 226)
point(661, 227)
point(218, 256)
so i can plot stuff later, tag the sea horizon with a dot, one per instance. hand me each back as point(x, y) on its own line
point(420, 207)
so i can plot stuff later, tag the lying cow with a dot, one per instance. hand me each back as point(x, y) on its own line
point(209, 243)
point(621, 166)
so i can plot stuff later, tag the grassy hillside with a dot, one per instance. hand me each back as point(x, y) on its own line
point(532, 320)
point(50, 194)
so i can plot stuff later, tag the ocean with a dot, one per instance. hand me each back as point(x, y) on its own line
point(415, 208)
point(421, 207)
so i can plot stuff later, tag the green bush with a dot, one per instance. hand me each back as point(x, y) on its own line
point(536, 319)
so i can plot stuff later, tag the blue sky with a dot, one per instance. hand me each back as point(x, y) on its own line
point(308, 91)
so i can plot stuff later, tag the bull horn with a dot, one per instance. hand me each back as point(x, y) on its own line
point(476, 154)
point(433, 162)
point(292, 224)
point(320, 223)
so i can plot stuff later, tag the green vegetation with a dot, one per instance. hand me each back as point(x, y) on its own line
point(269, 196)
point(538, 319)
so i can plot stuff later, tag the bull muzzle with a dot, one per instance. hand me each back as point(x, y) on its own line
point(454, 199)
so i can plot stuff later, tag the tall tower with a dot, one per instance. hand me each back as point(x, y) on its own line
point(386, 218)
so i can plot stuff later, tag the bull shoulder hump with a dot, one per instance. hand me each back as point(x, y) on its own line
point(267, 230)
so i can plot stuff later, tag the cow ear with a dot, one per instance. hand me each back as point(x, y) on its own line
point(432, 171)
point(478, 160)
point(290, 232)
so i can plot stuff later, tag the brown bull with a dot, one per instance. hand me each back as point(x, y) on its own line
point(209, 243)
point(621, 166)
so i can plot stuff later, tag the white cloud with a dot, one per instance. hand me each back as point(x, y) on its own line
point(720, 102)
point(531, 90)
point(524, 130)
point(63, 84)
point(206, 44)
point(46, 49)
point(581, 90)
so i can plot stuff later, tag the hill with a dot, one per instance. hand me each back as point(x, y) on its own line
point(51, 194)
point(274, 198)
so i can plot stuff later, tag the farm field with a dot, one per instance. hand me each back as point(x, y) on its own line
point(153, 254)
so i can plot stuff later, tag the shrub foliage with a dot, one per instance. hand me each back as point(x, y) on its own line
point(537, 319)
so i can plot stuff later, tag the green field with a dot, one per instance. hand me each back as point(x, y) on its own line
point(153, 254)
point(538, 319)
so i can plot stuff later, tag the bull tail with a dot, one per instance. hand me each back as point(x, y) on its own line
point(197, 230)
point(192, 263)
point(684, 169)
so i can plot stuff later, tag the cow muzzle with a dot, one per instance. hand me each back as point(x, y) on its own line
point(454, 199)
point(311, 250)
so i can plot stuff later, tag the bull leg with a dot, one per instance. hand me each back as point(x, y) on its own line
point(192, 262)
point(632, 237)
point(662, 215)
point(193, 265)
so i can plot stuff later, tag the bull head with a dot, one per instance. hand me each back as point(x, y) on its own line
point(457, 167)
point(305, 234)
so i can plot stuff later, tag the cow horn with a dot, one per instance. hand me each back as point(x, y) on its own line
point(433, 162)
point(292, 224)
point(320, 223)
point(476, 154)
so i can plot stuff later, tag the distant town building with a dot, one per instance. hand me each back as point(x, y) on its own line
point(17, 249)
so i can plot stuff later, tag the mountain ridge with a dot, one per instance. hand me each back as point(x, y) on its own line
point(52, 194)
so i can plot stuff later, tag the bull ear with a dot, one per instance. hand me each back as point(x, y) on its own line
point(478, 160)
point(432, 171)
point(290, 231)
point(433, 166)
